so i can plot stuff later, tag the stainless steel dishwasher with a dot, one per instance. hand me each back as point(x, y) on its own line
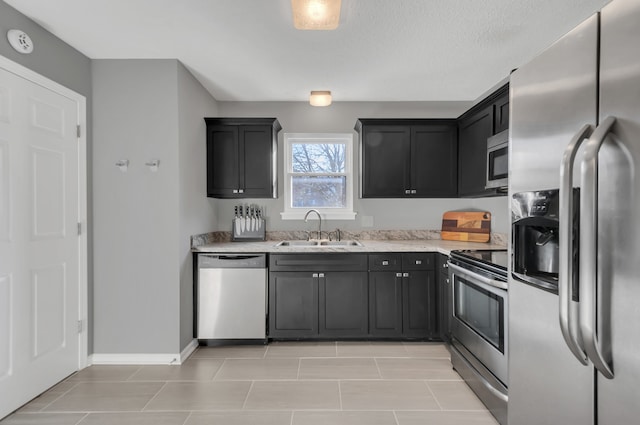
point(232, 297)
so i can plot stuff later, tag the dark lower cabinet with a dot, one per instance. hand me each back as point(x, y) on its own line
point(318, 296)
point(385, 304)
point(293, 304)
point(444, 298)
point(343, 309)
point(419, 305)
point(402, 296)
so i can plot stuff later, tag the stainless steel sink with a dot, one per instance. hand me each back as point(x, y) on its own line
point(340, 243)
point(298, 243)
point(318, 244)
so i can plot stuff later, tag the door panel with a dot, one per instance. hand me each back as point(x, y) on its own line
point(39, 251)
point(618, 234)
point(386, 161)
point(552, 97)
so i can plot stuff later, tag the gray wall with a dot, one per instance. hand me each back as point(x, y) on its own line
point(144, 110)
point(197, 212)
point(56, 60)
point(340, 117)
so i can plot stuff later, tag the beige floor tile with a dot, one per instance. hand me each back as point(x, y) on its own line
point(240, 418)
point(293, 395)
point(231, 352)
point(109, 373)
point(386, 395)
point(136, 418)
point(302, 349)
point(43, 419)
point(192, 370)
point(453, 395)
point(338, 368)
point(445, 418)
point(371, 349)
point(258, 369)
point(343, 418)
point(432, 350)
point(416, 368)
point(180, 396)
point(106, 396)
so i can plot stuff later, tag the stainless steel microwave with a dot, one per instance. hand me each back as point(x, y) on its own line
point(498, 160)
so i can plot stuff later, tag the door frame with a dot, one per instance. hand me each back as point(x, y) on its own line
point(81, 101)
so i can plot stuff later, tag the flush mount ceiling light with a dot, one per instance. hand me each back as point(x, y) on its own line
point(320, 98)
point(316, 14)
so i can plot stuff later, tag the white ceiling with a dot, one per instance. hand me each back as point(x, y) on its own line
point(383, 50)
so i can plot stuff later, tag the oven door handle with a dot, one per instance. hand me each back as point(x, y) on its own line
point(568, 309)
point(479, 278)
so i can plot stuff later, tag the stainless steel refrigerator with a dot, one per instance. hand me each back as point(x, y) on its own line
point(574, 187)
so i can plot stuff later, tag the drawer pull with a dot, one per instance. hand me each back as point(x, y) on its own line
point(418, 262)
point(385, 262)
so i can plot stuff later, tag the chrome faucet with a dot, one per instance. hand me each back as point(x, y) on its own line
point(306, 217)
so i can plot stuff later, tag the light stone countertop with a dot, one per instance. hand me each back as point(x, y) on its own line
point(369, 246)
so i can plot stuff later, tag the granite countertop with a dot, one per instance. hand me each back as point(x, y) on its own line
point(430, 245)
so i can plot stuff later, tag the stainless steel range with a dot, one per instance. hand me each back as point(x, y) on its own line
point(479, 331)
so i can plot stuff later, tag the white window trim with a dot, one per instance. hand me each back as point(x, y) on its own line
point(346, 213)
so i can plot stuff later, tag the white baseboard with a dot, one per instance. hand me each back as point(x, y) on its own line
point(144, 358)
point(188, 350)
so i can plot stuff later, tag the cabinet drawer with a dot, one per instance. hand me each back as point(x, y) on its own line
point(382, 262)
point(418, 261)
point(318, 262)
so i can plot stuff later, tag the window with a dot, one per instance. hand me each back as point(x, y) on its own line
point(318, 175)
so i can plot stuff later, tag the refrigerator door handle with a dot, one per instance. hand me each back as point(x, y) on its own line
point(588, 307)
point(569, 320)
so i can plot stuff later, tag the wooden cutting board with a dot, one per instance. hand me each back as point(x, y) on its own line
point(468, 226)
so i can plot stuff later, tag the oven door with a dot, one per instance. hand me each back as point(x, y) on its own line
point(480, 309)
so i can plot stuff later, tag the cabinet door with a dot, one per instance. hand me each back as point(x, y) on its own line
point(434, 158)
point(386, 161)
point(222, 161)
point(444, 298)
point(419, 304)
point(472, 158)
point(344, 304)
point(293, 305)
point(385, 304)
point(255, 166)
point(501, 113)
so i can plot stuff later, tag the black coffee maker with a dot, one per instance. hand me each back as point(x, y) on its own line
point(535, 220)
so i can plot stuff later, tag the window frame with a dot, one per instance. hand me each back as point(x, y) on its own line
point(291, 213)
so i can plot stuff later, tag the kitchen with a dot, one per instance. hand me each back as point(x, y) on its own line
point(115, 195)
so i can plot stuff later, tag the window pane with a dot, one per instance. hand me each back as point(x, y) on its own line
point(318, 157)
point(319, 191)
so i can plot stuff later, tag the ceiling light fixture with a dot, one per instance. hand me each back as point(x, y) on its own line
point(316, 14)
point(320, 98)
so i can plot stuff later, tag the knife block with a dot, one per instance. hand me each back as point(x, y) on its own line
point(248, 234)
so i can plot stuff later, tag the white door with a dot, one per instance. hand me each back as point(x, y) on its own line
point(39, 249)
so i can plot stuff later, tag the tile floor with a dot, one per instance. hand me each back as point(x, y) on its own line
point(286, 383)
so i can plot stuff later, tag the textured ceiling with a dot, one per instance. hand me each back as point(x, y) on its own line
point(383, 50)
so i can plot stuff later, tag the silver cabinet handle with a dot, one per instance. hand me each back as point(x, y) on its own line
point(240, 190)
point(407, 192)
point(320, 274)
point(385, 263)
point(413, 191)
point(418, 262)
point(235, 190)
point(405, 274)
point(568, 312)
point(314, 275)
point(589, 248)
point(398, 274)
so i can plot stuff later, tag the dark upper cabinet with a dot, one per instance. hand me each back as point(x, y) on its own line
point(407, 158)
point(241, 157)
point(475, 126)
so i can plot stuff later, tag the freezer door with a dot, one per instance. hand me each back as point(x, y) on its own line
point(619, 206)
point(552, 98)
